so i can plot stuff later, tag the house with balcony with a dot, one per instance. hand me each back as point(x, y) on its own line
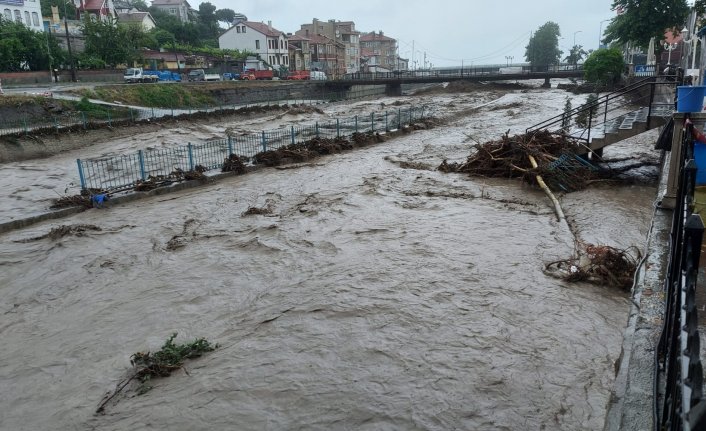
point(299, 52)
point(27, 12)
point(382, 49)
point(270, 44)
point(97, 9)
point(344, 42)
point(181, 9)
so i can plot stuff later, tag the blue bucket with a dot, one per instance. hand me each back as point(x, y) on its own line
point(690, 98)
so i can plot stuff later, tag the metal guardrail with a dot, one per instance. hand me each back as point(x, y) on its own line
point(678, 368)
point(125, 171)
point(609, 107)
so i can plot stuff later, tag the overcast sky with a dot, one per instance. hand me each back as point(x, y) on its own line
point(479, 32)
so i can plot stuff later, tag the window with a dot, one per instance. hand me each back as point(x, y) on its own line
point(243, 29)
point(281, 44)
point(173, 11)
point(257, 44)
point(27, 20)
point(8, 14)
point(35, 19)
point(237, 28)
point(18, 16)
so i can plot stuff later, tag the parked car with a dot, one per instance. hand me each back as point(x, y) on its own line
point(317, 75)
point(201, 75)
point(252, 74)
point(298, 75)
point(231, 76)
point(137, 74)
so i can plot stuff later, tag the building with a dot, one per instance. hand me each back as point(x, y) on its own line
point(97, 9)
point(381, 49)
point(269, 43)
point(299, 52)
point(179, 8)
point(27, 12)
point(343, 41)
point(141, 19)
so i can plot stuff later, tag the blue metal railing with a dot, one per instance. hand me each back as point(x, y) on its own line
point(678, 367)
point(126, 171)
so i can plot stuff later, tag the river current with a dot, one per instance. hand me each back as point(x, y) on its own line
point(371, 297)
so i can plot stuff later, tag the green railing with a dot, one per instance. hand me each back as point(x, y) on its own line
point(126, 171)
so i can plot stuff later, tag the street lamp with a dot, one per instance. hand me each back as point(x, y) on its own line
point(670, 47)
point(508, 59)
point(578, 31)
point(693, 41)
point(68, 45)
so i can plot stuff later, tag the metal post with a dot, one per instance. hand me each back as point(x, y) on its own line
point(81, 177)
point(317, 129)
point(191, 157)
point(399, 118)
point(372, 122)
point(264, 141)
point(293, 136)
point(386, 127)
point(649, 108)
point(110, 120)
point(230, 145)
point(356, 124)
point(83, 118)
point(141, 158)
point(24, 121)
point(338, 128)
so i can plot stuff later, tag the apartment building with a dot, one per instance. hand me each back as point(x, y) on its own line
point(263, 39)
point(338, 38)
point(27, 12)
point(381, 52)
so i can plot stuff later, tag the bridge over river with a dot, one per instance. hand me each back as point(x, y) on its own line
point(393, 80)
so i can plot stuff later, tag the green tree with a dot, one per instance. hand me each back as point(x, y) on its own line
point(604, 67)
point(25, 49)
point(566, 117)
point(543, 48)
point(640, 20)
point(576, 54)
point(225, 15)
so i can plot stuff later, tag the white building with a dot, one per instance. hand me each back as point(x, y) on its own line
point(181, 9)
point(270, 43)
point(27, 12)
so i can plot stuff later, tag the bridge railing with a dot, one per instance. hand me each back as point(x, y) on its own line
point(678, 368)
point(462, 72)
point(586, 121)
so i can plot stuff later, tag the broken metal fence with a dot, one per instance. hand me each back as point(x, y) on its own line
point(126, 171)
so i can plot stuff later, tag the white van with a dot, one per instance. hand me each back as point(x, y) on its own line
point(317, 75)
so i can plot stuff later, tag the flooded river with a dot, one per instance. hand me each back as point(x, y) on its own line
point(370, 297)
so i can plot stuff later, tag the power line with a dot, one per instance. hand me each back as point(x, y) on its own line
point(513, 44)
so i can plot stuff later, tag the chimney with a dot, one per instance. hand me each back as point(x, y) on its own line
point(269, 25)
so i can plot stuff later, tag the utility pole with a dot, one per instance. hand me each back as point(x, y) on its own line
point(68, 44)
point(425, 59)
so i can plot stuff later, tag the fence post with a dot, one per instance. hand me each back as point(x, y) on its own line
point(372, 122)
point(338, 128)
point(83, 119)
point(356, 124)
point(386, 128)
point(230, 145)
point(399, 118)
point(132, 119)
point(80, 174)
point(153, 113)
point(191, 157)
point(110, 120)
point(317, 129)
point(56, 124)
point(141, 158)
point(24, 121)
point(293, 138)
point(264, 141)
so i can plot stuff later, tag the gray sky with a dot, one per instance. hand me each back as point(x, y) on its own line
point(479, 32)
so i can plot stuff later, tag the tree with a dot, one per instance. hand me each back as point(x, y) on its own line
point(576, 54)
point(225, 15)
point(582, 118)
point(25, 49)
point(566, 116)
point(638, 21)
point(604, 67)
point(543, 48)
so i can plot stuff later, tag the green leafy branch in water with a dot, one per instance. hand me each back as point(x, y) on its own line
point(159, 364)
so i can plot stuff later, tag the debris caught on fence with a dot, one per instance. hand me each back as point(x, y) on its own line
point(557, 156)
point(147, 365)
point(233, 163)
point(600, 264)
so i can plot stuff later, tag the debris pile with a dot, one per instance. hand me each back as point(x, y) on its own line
point(233, 164)
point(557, 159)
point(598, 264)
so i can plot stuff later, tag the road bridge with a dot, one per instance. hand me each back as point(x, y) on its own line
point(393, 80)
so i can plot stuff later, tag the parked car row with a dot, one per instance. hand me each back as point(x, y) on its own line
point(138, 74)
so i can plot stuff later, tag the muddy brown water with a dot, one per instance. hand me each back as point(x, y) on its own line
point(371, 297)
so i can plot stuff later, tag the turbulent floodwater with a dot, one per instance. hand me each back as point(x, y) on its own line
point(371, 297)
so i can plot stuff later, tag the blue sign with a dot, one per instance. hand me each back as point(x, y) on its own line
point(640, 68)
